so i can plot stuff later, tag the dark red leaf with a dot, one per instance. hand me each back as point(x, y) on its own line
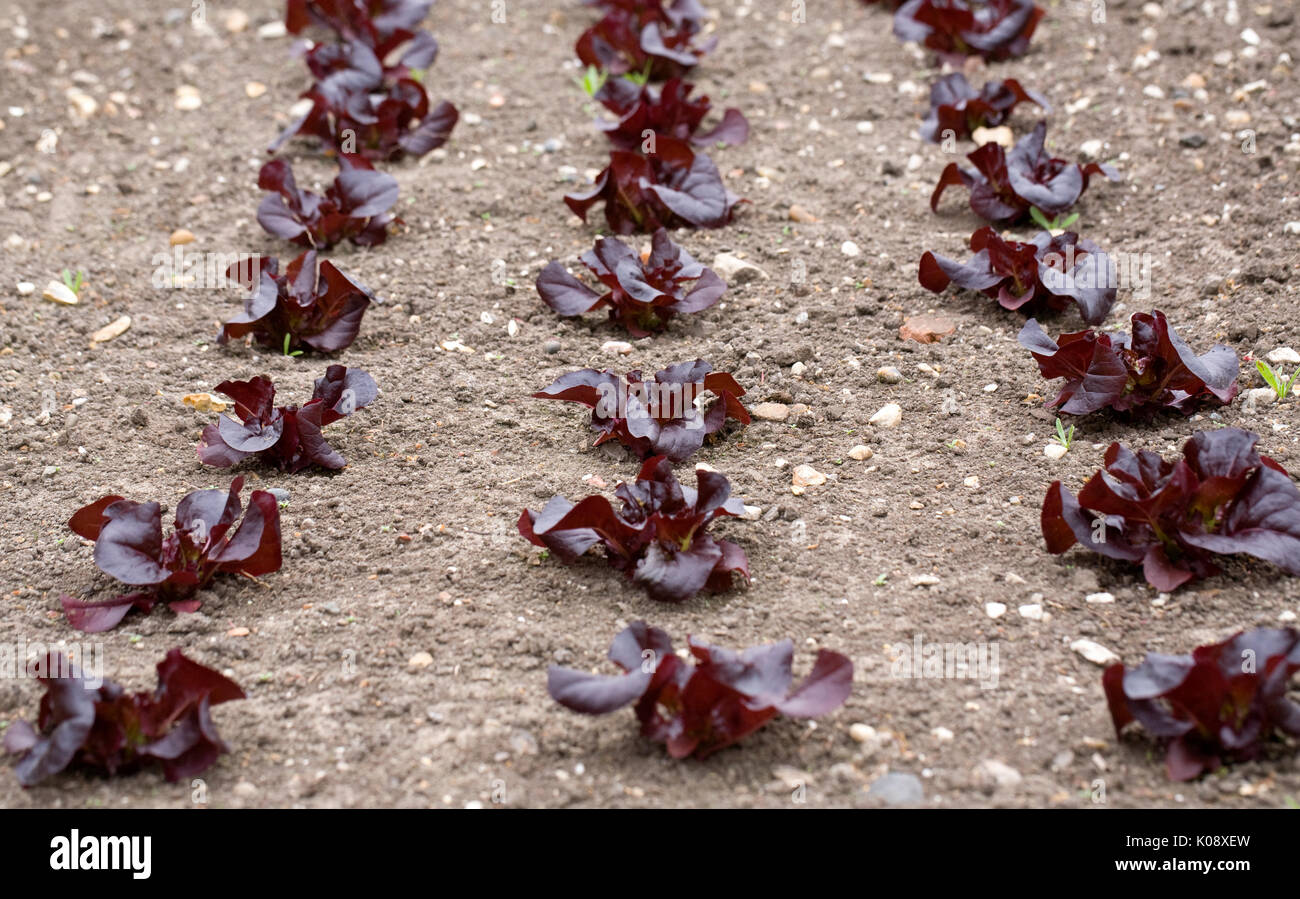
point(1220, 498)
point(658, 539)
point(992, 29)
point(209, 537)
point(658, 417)
point(1221, 703)
point(1152, 369)
point(643, 296)
point(299, 311)
point(104, 729)
point(698, 709)
point(1005, 185)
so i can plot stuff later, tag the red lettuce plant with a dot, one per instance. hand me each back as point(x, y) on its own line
point(992, 29)
point(288, 437)
point(957, 107)
point(1152, 369)
point(657, 38)
point(362, 103)
point(673, 188)
point(208, 538)
point(301, 309)
point(1004, 186)
point(106, 730)
point(355, 207)
point(1047, 273)
point(669, 111)
point(1174, 517)
point(382, 24)
point(356, 65)
point(1220, 704)
point(700, 708)
point(658, 539)
point(658, 417)
point(643, 295)
point(387, 122)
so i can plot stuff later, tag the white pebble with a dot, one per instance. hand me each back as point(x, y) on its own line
point(889, 416)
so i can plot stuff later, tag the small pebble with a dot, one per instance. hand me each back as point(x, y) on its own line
point(770, 411)
point(888, 416)
point(188, 98)
point(58, 292)
point(1094, 652)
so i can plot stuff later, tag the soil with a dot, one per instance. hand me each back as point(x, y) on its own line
point(413, 547)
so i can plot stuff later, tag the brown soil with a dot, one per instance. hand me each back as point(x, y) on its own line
point(454, 448)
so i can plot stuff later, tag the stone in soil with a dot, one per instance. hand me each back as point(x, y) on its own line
point(888, 416)
point(770, 411)
point(926, 328)
point(734, 270)
point(897, 788)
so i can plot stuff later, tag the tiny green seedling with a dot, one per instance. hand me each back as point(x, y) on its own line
point(592, 80)
point(641, 78)
point(74, 282)
point(1056, 224)
point(287, 351)
point(880, 580)
point(1064, 437)
point(1274, 379)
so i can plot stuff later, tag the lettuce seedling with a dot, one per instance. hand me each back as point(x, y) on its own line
point(1175, 518)
point(356, 207)
point(991, 29)
point(644, 114)
point(303, 309)
point(1063, 436)
point(287, 437)
point(675, 187)
point(108, 731)
point(658, 37)
point(1151, 369)
point(1223, 703)
point(659, 539)
point(1281, 386)
point(1045, 274)
point(208, 537)
point(1004, 186)
point(701, 707)
point(659, 417)
point(958, 108)
point(643, 295)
